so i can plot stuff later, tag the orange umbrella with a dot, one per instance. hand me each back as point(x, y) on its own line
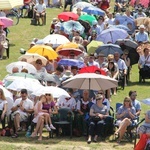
point(67, 46)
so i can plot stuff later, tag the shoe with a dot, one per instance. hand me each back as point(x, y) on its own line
point(19, 129)
point(116, 135)
point(89, 141)
point(48, 128)
point(95, 140)
point(33, 135)
point(52, 127)
point(15, 135)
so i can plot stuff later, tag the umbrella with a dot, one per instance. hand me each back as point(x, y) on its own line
point(55, 40)
point(43, 50)
point(21, 65)
point(65, 16)
point(91, 69)
point(146, 101)
point(107, 49)
point(112, 35)
point(90, 81)
point(9, 4)
point(86, 25)
point(88, 18)
point(145, 3)
point(93, 45)
point(71, 62)
point(24, 83)
point(32, 57)
point(9, 98)
point(69, 51)
point(55, 91)
point(94, 11)
point(127, 42)
point(120, 27)
point(7, 21)
point(67, 45)
point(81, 5)
point(71, 25)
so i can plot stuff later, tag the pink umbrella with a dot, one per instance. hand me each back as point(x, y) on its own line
point(142, 2)
point(6, 21)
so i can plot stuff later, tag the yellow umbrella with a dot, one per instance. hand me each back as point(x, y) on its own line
point(43, 50)
point(93, 45)
point(67, 45)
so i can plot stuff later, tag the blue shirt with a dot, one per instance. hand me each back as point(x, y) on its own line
point(121, 64)
point(97, 29)
point(136, 104)
point(141, 37)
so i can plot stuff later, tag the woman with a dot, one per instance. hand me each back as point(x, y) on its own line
point(125, 115)
point(98, 112)
point(101, 23)
point(3, 108)
point(39, 67)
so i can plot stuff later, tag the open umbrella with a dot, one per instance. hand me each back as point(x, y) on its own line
point(55, 40)
point(93, 45)
point(65, 16)
point(69, 51)
point(120, 27)
point(71, 25)
point(92, 69)
point(71, 62)
point(107, 49)
point(81, 5)
point(9, 4)
point(93, 11)
point(112, 35)
point(21, 65)
point(146, 101)
point(90, 81)
point(88, 18)
point(145, 3)
point(7, 21)
point(32, 57)
point(86, 25)
point(44, 50)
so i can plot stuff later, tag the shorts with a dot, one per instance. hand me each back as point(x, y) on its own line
point(23, 116)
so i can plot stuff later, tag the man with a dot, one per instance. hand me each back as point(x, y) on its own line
point(141, 36)
point(22, 107)
point(136, 104)
point(96, 27)
point(92, 61)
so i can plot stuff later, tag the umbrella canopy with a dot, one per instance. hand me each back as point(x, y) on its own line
point(71, 25)
point(146, 101)
point(67, 45)
point(120, 27)
point(7, 21)
point(65, 16)
point(71, 62)
point(93, 11)
point(1, 24)
point(44, 50)
point(93, 45)
point(145, 3)
point(9, 4)
point(92, 69)
point(90, 81)
point(86, 25)
point(32, 57)
point(88, 18)
point(21, 65)
point(81, 5)
point(55, 91)
point(55, 40)
point(107, 49)
point(69, 51)
point(112, 35)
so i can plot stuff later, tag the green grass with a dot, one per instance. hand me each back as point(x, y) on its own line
point(20, 36)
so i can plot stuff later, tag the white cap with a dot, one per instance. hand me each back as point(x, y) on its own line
point(141, 26)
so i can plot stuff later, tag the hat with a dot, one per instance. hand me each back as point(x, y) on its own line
point(99, 96)
point(101, 55)
point(54, 21)
point(67, 74)
point(94, 22)
point(91, 54)
point(141, 26)
point(24, 91)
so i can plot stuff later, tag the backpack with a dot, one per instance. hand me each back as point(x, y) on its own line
point(6, 132)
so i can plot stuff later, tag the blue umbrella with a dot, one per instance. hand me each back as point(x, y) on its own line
point(112, 35)
point(107, 49)
point(93, 11)
point(71, 62)
point(120, 27)
point(71, 25)
point(146, 101)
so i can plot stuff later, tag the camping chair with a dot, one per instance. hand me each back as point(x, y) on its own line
point(65, 118)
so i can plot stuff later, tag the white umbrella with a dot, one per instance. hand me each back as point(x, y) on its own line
point(32, 57)
point(55, 40)
point(28, 83)
point(9, 98)
point(90, 81)
point(55, 91)
point(9, 4)
point(21, 65)
point(146, 101)
point(81, 5)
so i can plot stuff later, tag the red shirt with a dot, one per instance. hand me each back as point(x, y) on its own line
point(104, 5)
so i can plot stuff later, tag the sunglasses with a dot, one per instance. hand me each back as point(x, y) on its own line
point(48, 94)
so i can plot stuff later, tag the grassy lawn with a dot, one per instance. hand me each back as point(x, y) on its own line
point(20, 36)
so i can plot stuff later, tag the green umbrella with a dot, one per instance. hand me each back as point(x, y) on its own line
point(93, 45)
point(88, 18)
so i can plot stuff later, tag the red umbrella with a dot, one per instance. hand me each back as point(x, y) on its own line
point(92, 69)
point(69, 51)
point(65, 16)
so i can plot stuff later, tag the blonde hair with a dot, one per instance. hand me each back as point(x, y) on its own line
point(127, 99)
point(2, 94)
point(110, 56)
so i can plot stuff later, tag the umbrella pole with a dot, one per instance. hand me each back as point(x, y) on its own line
point(111, 37)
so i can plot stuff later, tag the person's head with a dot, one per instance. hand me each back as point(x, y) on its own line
point(42, 98)
point(132, 95)
point(129, 25)
point(128, 12)
point(116, 56)
point(77, 39)
point(142, 28)
point(101, 57)
point(24, 70)
point(140, 11)
point(49, 97)
point(147, 116)
point(86, 93)
point(15, 70)
point(93, 35)
point(127, 102)
point(101, 92)
point(59, 70)
point(110, 58)
point(2, 96)
point(24, 94)
point(32, 44)
point(99, 98)
point(74, 70)
point(126, 52)
point(41, 1)
point(38, 62)
point(117, 22)
point(110, 15)
point(101, 19)
point(78, 10)
point(146, 51)
point(70, 91)
point(91, 57)
point(94, 23)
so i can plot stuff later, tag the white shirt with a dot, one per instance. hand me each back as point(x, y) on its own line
point(2, 103)
point(110, 21)
point(94, 63)
point(40, 8)
point(121, 64)
point(143, 59)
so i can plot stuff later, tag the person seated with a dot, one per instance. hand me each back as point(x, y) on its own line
point(92, 61)
point(120, 5)
point(40, 9)
point(140, 13)
point(39, 67)
point(125, 116)
point(110, 20)
point(21, 109)
point(104, 5)
point(77, 39)
point(52, 26)
point(92, 36)
point(98, 112)
point(68, 2)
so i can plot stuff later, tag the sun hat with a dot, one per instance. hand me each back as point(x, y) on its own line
point(99, 96)
point(141, 26)
point(67, 75)
point(54, 21)
point(94, 22)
